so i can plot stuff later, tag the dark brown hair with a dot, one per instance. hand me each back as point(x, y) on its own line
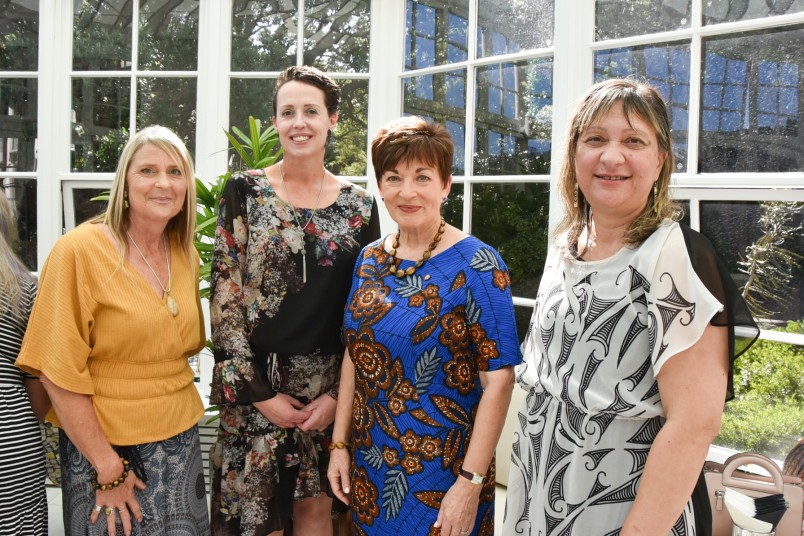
point(794, 462)
point(412, 138)
point(314, 77)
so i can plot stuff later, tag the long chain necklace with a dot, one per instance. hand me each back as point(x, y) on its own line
point(296, 218)
point(172, 305)
point(393, 262)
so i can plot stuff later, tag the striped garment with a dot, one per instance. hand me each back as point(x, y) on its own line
point(23, 501)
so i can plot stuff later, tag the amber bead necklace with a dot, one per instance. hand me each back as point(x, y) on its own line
point(393, 262)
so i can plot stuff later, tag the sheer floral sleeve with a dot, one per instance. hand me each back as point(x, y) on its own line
point(236, 377)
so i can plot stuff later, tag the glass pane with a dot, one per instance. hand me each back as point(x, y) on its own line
point(346, 152)
point(22, 193)
point(19, 35)
point(436, 33)
point(100, 122)
point(336, 35)
point(513, 119)
point(623, 18)
point(513, 218)
point(169, 102)
point(522, 315)
point(263, 35)
point(84, 207)
point(440, 97)
point(168, 35)
point(18, 108)
point(452, 209)
point(665, 67)
point(508, 26)
point(752, 102)
point(761, 242)
point(249, 97)
point(102, 35)
point(715, 11)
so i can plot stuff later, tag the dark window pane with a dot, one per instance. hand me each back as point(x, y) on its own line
point(84, 208)
point(19, 35)
point(762, 244)
point(263, 35)
point(439, 97)
point(336, 35)
point(436, 33)
point(716, 11)
point(624, 18)
point(667, 68)
point(101, 125)
point(522, 315)
point(169, 102)
point(102, 35)
point(168, 35)
point(346, 152)
point(751, 102)
point(453, 207)
point(513, 218)
point(22, 194)
point(507, 26)
point(513, 119)
point(18, 109)
point(249, 97)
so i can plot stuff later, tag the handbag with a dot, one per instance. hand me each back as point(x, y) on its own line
point(718, 476)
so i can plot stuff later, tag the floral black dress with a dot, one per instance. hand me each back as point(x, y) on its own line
point(277, 301)
point(418, 344)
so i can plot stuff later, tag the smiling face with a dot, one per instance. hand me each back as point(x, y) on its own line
point(617, 160)
point(301, 120)
point(156, 185)
point(413, 192)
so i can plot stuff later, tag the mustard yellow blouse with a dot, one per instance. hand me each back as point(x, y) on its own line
point(98, 328)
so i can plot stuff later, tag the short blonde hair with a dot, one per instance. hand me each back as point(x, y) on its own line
point(181, 228)
point(638, 100)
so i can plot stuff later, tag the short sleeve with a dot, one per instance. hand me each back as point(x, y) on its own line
point(57, 341)
point(490, 311)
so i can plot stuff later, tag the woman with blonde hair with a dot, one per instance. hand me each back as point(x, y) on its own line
point(117, 317)
point(23, 401)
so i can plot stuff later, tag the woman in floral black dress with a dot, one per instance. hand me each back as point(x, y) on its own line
point(279, 282)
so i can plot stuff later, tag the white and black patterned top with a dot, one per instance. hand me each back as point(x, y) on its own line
point(600, 334)
point(23, 501)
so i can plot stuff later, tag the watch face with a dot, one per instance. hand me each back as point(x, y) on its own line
point(477, 479)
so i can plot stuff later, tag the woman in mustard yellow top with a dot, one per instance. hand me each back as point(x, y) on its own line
point(116, 318)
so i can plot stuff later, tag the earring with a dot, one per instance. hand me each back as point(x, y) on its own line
point(656, 197)
point(575, 196)
point(444, 199)
point(125, 198)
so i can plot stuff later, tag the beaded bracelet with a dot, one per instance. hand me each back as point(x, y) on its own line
point(339, 445)
point(116, 482)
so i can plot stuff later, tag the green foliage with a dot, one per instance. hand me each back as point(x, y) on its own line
point(767, 414)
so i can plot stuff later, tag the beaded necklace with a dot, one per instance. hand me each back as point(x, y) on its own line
point(393, 262)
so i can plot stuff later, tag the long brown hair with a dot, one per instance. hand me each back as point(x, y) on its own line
point(638, 100)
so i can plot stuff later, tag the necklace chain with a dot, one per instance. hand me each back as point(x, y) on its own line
point(172, 306)
point(393, 261)
point(296, 217)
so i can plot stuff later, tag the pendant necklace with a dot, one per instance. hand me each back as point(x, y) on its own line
point(172, 305)
point(296, 218)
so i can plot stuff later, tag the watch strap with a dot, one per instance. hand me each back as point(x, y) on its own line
point(474, 478)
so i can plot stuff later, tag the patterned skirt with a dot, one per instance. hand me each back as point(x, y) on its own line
point(173, 504)
point(259, 469)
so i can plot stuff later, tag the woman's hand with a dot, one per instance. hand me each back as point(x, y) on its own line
point(283, 411)
point(119, 501)
point(322, 414)
point(456, 517)
point(338, 473)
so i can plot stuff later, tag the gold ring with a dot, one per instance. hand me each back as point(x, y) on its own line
point(108, 510)
point(98, 508)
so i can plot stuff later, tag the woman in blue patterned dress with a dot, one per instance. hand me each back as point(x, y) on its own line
point(629, 356)
point(279, 282)
point(431, 341)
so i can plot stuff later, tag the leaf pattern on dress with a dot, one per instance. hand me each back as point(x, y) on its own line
point(393, 492)
point(426, 368)
point(430, 498)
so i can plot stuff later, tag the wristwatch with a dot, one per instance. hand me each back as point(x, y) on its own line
point(474, 478)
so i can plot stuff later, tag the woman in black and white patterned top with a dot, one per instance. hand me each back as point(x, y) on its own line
point(23, 402)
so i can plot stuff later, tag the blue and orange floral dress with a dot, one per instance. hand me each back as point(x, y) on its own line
point(418, 344)
point(275, 330)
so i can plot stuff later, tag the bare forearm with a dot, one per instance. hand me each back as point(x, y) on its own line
point(672, 468)
point(342, 430)
point(77, 417)
point(40, 402)
point(489, 421)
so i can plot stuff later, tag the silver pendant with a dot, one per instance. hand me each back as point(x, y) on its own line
point(172, 306)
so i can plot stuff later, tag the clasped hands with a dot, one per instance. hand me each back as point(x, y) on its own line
point(288, 412)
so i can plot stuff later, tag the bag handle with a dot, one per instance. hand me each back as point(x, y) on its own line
point(738, 460)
